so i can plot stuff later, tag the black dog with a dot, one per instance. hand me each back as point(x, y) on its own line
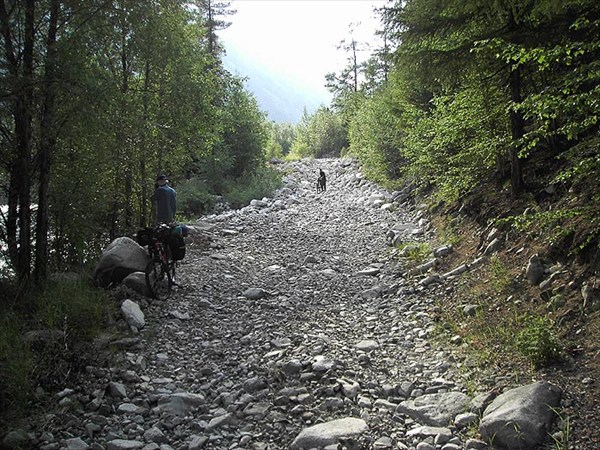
point(321, 182)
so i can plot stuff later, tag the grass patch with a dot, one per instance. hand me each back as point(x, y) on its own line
point(508, 329)
point(16, 367)
point(447, 233)
point(44, 339)
point(415, 253)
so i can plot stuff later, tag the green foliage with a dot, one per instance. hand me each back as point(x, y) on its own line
point(458, 144)
point(537, 341)
point(256, 186)
point(376, 135)
point(280, 139)
point(194, 197)
point(75, 309)
point(579, 224)
point(563, 437)
point(319, 135)
point(243, 134)
point(15, 367)
point(501, 278)
point(415, 252)
point(139, 90)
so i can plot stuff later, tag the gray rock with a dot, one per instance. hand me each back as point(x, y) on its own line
point(535, 270)
point(493, 247)
point(426, 431)
point(120, 258)
point(466, 419)
point(292, 367)
point(369, 271)
point(591, 297)
point(383, 443)
point(367, 345)
point(180, 404)
point(155, 435)
point(179, 315)
point(219, 421)
point(444, 250)
point(322, 364)
point(137, 282)
point(476, 444)
point(117, 390)
point(328, 433)
point(435, 409)
point(425, 446)
point(132, 314)
point(471, 310)
point(254, 384)
point(451, 446)
point(254, 293)
point(197, 442)
point(124, 444)
point(76, 444)
point(520, 417)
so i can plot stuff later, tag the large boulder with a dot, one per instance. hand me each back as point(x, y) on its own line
point(122, 257)
point(329, 433)
point(520, 417)
point(137, 282)
point(437, 410)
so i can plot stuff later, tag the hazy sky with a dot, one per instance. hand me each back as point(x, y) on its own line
point(298, 38)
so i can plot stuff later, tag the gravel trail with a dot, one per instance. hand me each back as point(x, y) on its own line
point(293, 312)
point(329, 318)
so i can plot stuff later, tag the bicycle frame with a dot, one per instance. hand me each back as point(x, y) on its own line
point(160, 271)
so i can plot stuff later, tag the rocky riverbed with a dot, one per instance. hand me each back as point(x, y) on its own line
point(295, 326)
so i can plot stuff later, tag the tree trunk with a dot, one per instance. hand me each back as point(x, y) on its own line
point(144, 150)
point(211, 29)
point(517, 125)
point(47, 145)
point(23, 123)
point(11, 218)
point(517, 122)
point(355, 65)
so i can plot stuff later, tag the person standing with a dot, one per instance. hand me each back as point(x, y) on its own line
point(165, 199)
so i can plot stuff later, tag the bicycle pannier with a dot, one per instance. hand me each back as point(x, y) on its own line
point(144, 236)
point(177, 245)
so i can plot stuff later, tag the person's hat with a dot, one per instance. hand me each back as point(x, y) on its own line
point(161, 179)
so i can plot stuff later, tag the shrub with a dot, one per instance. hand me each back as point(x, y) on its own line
point(263, 183)
point(194, 197)
point(76, 311)
point(537, 341)
point(16, 364)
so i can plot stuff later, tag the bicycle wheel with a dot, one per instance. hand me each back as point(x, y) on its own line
point(158, 280)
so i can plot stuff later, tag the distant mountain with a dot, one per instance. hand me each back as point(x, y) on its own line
point(281, 98)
